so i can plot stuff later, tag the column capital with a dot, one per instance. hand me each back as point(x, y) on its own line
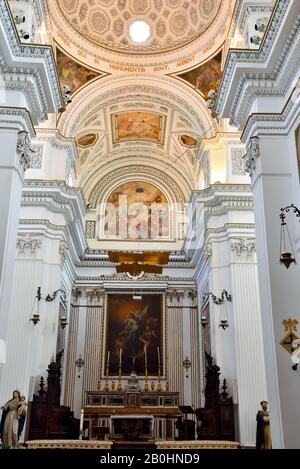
point(243, 246)
point(29, 243)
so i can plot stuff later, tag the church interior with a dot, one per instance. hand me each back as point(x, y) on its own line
point(149, 235)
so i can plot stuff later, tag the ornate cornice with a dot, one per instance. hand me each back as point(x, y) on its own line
point(45, 91)
point(229, 226)
point(213, 189)
point(264, 124)
point(36, 191)
point(248, 80)
point(58, 141)
point(16, 118)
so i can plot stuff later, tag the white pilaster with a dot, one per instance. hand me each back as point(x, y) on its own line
point(272, 189)
point(14, 160)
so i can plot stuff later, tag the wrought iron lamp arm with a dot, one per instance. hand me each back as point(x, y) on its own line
point(216, 300)
point(226, 295)
point(54, 295)
point(287, 209)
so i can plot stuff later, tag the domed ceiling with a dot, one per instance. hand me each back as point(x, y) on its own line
point(174, 35)
point(172, 23)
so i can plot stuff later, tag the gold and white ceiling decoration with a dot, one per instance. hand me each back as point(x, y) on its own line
point(172, 23)
point(162, 107)
point(182, 33)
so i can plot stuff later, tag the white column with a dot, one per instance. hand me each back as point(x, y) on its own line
point(186, 337)
point(80, 349)
point(14, 160)
point(222, 343)
point(250, 365)
point(30, 348)
point(272, 166)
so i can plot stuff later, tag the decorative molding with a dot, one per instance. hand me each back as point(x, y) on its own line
point(76, 294)
point(68, 144)
point(37, 157)
point(248, 84)
point(44, 71)
point(24, 151)
point(202, 47)
point(237, 164)
point(39, 189)
point(207, 251)
point(253, 153)
point(228, 226)
point(175, 295)
point(242, 245)
point(276, 123)
point(16, 118)
point(63, 250)
point(94, 295)
point(28, 242)
point(131, 170)
point(90, 229)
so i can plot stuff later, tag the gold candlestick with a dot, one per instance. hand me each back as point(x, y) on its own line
point(106, 386)
point(158, 384)
point(146, 388)
point(119, 388)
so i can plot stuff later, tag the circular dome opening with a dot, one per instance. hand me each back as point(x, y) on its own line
point(139, 31)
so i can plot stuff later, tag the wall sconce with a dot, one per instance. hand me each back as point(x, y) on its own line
point(79, 364)
point(35, 318)
point(204, 321)
point(219, 301)
point(287, 255)
point(63, 321)
point(187, 364)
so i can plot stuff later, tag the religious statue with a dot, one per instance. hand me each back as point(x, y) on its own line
point(10, 422)
point(263, 432)
point(22, 411)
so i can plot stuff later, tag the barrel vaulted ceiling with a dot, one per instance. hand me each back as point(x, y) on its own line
point(134, 105)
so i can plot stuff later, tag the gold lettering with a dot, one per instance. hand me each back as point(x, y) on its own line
point(185, 61)
point(122, 68)
point(159, 68)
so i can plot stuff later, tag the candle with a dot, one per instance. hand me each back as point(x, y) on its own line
point(145, 352)
point(108, 355)
point(120, 362)
point(81, 423)
point(158, 357)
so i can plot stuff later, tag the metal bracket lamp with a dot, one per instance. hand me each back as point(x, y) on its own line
point(287, 255)
point(218, 301)
point(35, 318)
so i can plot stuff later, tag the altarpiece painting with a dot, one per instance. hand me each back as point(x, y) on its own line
point(135, 326)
